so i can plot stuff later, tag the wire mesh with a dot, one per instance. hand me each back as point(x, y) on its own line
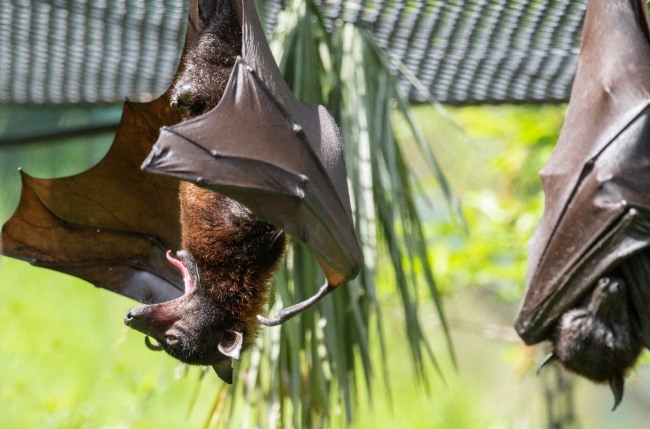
point(464, 51)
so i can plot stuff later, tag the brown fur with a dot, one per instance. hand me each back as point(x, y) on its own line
point(597, 340)
point(236, 255)
point(231, 256)
point(207, 67)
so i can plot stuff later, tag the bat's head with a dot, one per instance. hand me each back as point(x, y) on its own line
point(190, 327)
point(597, 340)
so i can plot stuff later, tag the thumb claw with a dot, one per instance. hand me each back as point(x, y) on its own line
point(156, 347)
point(617, 384)
point(548, 359)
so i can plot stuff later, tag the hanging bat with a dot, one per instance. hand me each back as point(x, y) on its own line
point(201, 257)
point(588, 285)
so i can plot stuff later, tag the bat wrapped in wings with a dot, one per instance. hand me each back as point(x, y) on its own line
point(201, 260)
point(588, 285)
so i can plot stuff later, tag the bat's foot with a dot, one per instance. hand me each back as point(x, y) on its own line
point(617, 383)
point(287, 313)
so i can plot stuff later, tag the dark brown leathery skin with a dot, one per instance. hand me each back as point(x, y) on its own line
point(596, 221)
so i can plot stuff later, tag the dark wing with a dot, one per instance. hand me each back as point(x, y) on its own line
point(110, 225)
point(597, 181)
point(281, 158)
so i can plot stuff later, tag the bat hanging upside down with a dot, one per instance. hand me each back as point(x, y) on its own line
point(588, 285)
point(229, 256)
point(255, 165)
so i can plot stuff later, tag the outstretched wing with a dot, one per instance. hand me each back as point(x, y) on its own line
point(597, 182)
point(110, 225)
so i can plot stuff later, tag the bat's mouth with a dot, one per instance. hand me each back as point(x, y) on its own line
point(180, 264)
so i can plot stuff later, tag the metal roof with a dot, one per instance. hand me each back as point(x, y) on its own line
point(465, 51)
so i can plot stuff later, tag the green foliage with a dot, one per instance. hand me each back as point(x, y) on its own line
point(317, 363)
point(503, 216)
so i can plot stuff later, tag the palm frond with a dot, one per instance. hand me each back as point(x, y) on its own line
point(305, 370)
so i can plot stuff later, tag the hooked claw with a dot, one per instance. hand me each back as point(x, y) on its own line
point(151, 346)
point(548, 359)
point(617, 384)
point(287, 313)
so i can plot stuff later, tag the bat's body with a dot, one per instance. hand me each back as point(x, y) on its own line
point(233, 254)
point(236, 255)
point(588, 285)
point(263, 166)
point(597, 340)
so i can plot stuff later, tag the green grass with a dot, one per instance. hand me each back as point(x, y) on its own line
point(68, 361)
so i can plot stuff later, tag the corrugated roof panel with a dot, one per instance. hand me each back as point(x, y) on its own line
point(464, 51)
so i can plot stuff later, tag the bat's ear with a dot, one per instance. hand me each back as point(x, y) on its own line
point(617, 384)
point(223, 368)
point(231, 344)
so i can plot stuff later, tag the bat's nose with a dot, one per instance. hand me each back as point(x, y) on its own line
point(129, 318)
point(135, 315)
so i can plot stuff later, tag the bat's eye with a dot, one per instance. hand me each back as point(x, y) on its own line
point(194, 106)
point(181, 100)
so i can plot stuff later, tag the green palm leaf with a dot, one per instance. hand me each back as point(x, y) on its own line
point(310, 366)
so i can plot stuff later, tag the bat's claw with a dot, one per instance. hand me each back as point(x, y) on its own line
point(548, 359)
point(287, 313)
point(156, 347)
point(617, 384)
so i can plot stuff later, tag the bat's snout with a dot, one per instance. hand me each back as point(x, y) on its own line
point(135, 317)
point(128, 319)
point(150, 320)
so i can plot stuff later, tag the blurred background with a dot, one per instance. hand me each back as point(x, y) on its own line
point(68, 361)
point(445, 198)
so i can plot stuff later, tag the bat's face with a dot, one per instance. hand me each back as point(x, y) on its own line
point(189, 328)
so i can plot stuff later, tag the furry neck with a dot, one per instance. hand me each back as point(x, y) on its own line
point(237, 255)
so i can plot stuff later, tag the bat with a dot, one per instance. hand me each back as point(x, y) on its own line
point(589, 259)
point(200, 255)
